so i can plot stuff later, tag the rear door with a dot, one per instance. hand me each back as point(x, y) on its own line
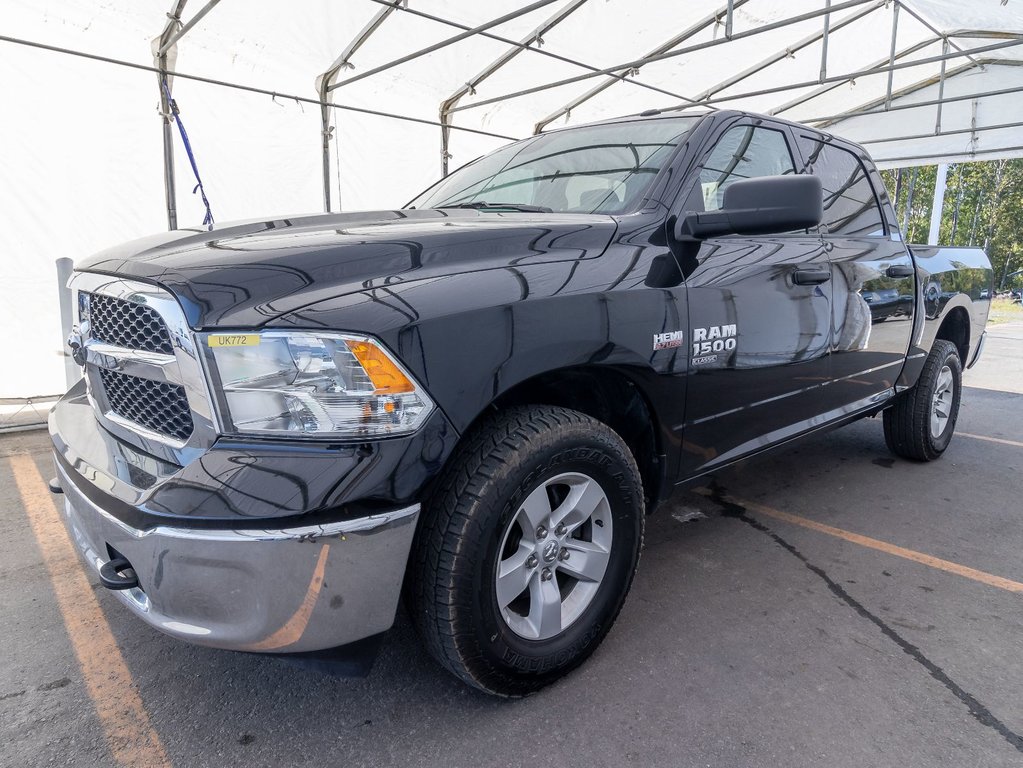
point(759, 311)
point(873, 277)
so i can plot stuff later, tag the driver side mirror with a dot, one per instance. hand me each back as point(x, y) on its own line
point(761, 206)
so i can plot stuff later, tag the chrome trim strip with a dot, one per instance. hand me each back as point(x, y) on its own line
point(133, 362)
point(311, 533)
point(980, 349)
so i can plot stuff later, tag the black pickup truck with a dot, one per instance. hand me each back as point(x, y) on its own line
point(477, 399)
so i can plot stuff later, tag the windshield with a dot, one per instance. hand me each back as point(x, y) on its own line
point(594, 169)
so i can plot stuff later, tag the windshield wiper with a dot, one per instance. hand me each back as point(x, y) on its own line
point(483, 205)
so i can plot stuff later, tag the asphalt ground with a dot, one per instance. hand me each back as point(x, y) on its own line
point(825, 605)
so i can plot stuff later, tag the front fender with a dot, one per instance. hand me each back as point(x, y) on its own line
point(471, 337)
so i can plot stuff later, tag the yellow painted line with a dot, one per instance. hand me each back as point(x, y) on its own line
point(881, 546)
point(293, 629)
point(129, 734)
point(1000, 440)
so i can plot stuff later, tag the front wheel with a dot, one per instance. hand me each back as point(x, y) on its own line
point(527, 549)
point(921, 422)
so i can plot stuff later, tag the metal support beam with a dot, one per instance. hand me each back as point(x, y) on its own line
point(830, 84)
point(532, 49)
point(789, 51)
point(165, 57)
point(185, 29)
point(667, 45)
point(854, 75)
point(637, 63)
point(246, 88)
point(941, 88)
point(937, 207)
point(536, 36)
point(445, 43)
point(972, 130)
point(326, 80)
point(165, 54)
point(869, 106)
point(935, 30)
point(891, 56)
point(824, 42)
point(829, 119)
point(728, 19)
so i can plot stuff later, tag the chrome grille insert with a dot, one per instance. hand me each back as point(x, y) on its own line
point(128, 324)
point(142, 368)
point(155, 405)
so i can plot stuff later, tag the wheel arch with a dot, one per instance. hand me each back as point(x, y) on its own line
point(955, 327)
point(610, 395)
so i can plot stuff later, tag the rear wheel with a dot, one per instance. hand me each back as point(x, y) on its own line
point(922, 421)
point(527, 549)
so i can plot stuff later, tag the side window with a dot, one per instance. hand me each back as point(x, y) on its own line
point(744, 152)
point(850, 206)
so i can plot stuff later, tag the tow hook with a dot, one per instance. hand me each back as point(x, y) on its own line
point(111, 576)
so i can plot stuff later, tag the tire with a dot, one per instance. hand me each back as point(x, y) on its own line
point(913, 428)
point(474, 528)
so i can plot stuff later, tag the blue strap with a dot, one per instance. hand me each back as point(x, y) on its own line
point(208, 220)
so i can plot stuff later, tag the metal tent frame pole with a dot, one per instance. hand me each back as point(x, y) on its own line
point(165, 58)
point(637, 63)
point(532, 49)
point(536, 36)
point(791, 50)
point(955, 132)
point(862, 73)
point(830, 84)
point(617, 77)
point(444, 43)
point(831, 119)
point(165, 54)
point(325, 81)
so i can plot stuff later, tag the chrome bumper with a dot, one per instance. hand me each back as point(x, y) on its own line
point(285, 590)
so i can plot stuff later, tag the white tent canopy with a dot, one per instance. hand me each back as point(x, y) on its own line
point(920, 81)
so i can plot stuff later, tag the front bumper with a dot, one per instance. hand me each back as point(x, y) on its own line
point(288, 590)
point(324, 572)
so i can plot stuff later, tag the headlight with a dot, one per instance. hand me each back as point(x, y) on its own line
point(312, 384)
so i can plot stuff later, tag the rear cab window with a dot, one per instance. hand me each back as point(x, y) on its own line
point(851, 207)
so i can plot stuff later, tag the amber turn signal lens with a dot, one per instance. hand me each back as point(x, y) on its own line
point(385, 375)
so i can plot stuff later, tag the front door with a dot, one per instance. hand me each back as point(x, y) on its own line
point(759, 313)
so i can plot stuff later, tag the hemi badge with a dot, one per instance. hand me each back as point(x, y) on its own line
point(669, 340)
point(233, 339)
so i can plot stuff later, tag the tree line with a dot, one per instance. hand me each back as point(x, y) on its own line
point(983, 207)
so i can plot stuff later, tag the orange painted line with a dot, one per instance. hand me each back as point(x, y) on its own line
point(881, 546)
point(129, 734)
point(294, 627)
point(1000, 440)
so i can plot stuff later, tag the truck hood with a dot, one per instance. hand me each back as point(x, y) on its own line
point(246, 274)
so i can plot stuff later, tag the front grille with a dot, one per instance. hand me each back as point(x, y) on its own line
point(157, 406)
point(127, 324)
